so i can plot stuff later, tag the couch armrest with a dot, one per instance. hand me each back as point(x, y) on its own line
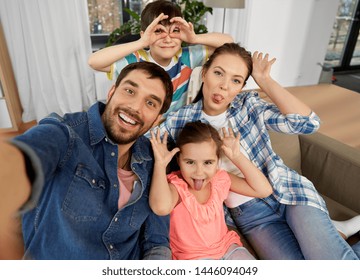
point(333, 167)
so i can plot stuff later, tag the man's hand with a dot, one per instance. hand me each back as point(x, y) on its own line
point(14, 192)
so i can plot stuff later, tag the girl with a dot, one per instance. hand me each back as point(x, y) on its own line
point(293, 222)
point(195, 195)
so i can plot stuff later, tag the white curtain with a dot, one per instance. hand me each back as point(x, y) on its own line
point(49, 44)
point(235, 22)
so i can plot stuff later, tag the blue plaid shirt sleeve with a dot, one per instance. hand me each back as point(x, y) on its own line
point(290, 123)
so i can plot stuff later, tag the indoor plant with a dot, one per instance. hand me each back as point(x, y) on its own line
point(193, 11)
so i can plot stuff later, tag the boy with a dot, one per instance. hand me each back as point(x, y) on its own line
point(162, 31)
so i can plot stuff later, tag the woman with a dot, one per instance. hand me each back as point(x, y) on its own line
point(293, 222)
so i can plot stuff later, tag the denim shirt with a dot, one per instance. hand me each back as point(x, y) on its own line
point(74, 213)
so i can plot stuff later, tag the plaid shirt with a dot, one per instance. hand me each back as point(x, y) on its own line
point(253, 117)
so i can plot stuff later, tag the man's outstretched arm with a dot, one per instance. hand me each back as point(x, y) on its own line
point(15, 190)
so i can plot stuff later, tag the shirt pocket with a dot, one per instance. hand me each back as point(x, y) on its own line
point(85, 196)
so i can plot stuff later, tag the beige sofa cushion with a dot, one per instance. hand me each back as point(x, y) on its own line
point(333, 167)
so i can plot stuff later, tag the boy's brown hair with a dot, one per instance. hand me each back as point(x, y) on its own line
point(154, 9)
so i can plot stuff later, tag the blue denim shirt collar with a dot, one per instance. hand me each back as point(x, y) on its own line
point(96, 127)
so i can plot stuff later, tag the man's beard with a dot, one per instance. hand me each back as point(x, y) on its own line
point(118, 134)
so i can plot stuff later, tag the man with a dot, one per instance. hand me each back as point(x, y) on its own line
point(82, 180)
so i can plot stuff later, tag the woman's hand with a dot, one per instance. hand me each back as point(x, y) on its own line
point(231, 144)
point(261, 67)
point(161, 153)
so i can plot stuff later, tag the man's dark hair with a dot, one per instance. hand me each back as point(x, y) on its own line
point(155, 72)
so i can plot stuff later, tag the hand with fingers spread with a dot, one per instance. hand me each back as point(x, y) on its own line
point(161, 153)
point(154, 32)
point(231, 144)
point(183, 30)
point(261, 66)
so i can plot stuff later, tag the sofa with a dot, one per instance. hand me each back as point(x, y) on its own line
point(332, 166)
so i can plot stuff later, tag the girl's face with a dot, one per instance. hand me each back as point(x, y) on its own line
point(198, 163)
point(222, 82)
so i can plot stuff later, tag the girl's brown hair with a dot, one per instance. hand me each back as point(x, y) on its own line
point(198, 132)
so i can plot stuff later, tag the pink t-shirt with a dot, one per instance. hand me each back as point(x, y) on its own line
point(126, 180)
point(199, 231)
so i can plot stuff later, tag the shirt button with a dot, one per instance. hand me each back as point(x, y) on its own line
point(115, 185)
point(111, 247)
point(106, 139)
point(93, 181)
point(116, 219)
point(112, 154)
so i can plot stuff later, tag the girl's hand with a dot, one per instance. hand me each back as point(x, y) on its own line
point(154, 32)
point(161, 153)
point(261, 66)
point(231, 144)
point(183, 30)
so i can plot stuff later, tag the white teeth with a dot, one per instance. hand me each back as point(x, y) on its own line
point(127, 119)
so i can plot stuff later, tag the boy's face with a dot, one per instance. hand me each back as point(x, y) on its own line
point(163, 50)
point(133, 107)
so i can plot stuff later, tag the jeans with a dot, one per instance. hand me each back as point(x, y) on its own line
point(236, 252)
point(290, 232)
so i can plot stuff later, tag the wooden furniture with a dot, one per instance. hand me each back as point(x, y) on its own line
point(10, 106)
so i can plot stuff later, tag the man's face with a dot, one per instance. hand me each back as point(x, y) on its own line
point(133, 107)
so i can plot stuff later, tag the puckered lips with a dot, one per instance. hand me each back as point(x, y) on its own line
point(198, 183)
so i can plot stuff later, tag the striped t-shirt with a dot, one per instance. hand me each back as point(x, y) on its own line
point(179, 69)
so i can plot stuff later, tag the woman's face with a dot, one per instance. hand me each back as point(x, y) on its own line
point(222, 82)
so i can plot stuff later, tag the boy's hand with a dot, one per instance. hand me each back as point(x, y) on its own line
point(183, 30)
point(261, 66)
point(161, 153)
point(231, 144)
point(154, 32)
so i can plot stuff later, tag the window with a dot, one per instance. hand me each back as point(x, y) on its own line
point(107, 15)
point(343, 52)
